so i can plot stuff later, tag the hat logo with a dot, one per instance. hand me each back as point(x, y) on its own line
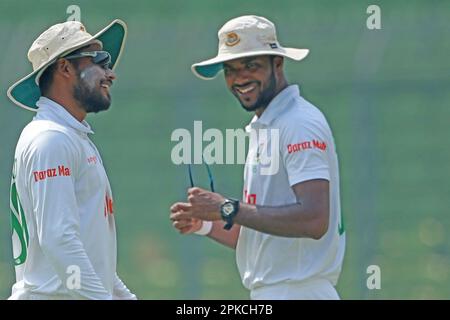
point(232, 39)
point(82, 28)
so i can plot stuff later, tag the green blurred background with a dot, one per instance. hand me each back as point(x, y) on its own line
point(385, 93)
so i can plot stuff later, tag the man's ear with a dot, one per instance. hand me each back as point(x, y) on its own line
point(65, 69)
point(278, 63)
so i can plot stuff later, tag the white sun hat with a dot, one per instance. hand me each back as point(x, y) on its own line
point(245, 36)
point(56, 42)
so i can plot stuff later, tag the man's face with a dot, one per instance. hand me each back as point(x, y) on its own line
point(252, 81)
point(91, 89)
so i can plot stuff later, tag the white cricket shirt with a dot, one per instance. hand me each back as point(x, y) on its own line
point(63, 223)
point(305, 151)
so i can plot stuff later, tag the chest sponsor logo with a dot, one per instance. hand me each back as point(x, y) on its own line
point(250, 198)
point(92, 160)
point(302, 146)
point(60, 171)
point(109, 205)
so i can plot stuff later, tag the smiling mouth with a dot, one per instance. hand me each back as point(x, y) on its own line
point(106, 85)
point(242, 90)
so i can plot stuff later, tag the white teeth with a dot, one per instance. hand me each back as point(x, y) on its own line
point(105, 86)
point(248, 89)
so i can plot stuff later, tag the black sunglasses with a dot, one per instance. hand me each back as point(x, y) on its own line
point(102, 58)
point(211, 179)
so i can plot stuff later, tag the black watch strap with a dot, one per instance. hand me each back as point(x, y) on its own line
point(227, 213)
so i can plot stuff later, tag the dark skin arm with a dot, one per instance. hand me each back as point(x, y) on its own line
point(308, 218)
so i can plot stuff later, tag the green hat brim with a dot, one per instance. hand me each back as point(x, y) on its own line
point(208, 69)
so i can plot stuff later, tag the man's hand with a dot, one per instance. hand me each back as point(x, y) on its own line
point(187, 226)
point(201, 205)
point(188, 217)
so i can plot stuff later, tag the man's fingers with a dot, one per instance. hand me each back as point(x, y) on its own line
point(174, 207)
point(179, 224)
point(180, 215)
point(184, 223)
point(194, 191)
point(184, 226)
point(179, 206)
point(191, 198)
point(185, 230)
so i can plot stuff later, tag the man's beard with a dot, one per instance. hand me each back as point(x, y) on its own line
point(265, 96)
point(87, 94)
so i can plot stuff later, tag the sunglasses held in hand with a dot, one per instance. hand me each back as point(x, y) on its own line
point(211, 179)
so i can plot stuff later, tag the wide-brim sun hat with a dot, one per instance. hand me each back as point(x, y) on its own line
point(242, 37)
point(58, 41)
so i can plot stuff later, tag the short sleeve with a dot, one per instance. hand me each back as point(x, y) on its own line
point(304, 148)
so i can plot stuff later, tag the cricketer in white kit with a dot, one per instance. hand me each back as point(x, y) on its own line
point(288, 229)
point(64, 234)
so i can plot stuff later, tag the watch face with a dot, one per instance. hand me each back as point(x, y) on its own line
point(228, 208)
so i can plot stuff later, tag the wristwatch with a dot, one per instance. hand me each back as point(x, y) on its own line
point(228, 210)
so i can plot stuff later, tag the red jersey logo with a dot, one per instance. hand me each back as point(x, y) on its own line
point(51, 173)
point(109, 205)
point(302, 146)
point(249, 198)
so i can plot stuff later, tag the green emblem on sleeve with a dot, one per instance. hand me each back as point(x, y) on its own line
point(341, 228)
point(18, 221)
